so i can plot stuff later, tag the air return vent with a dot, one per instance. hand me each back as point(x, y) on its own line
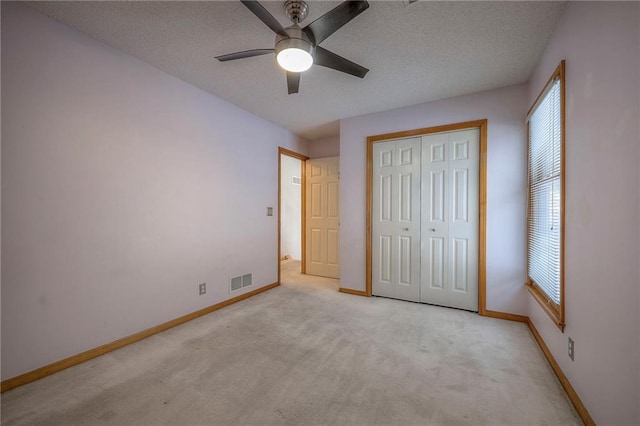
point(240, 282)
point(246, 280)
point(236, 283)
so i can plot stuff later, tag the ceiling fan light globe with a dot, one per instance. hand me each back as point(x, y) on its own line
point(294, 59)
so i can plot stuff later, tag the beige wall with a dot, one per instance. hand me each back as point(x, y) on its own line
point(123, 188)
point(326, 147)
point(601, 45)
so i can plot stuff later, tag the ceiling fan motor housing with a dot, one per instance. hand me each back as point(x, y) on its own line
point(295, 39)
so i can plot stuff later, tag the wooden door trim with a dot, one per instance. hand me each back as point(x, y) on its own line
point(482, 202)
point(303, 240)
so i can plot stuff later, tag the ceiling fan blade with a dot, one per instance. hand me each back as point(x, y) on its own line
point(293, 82)
point(333, 20)
point(324, 58)
point(244, 54)
point(264, 15)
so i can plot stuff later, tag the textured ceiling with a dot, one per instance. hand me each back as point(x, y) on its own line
point(416, 52)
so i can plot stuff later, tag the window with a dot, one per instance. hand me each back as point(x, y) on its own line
point(545, 205)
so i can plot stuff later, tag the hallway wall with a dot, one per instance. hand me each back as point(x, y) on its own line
point(291, 205)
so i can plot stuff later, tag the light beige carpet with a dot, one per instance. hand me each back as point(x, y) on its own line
point(304, 354)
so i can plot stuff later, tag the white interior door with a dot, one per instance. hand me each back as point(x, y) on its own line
point(450, 218)
point(322, 217)
point(396, 219)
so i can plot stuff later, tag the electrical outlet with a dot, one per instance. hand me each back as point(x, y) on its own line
point(571, 349)
point(269, 211)
point(202, 288)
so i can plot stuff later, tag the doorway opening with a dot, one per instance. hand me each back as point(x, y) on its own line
point(291, 210)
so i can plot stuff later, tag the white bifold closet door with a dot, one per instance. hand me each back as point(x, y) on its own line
point(396, 217)
point(450, 217)
point(425, 218)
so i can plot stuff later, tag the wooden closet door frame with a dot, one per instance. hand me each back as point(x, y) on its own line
point(482, 202)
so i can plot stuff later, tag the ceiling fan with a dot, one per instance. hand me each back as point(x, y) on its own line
point(298, 48)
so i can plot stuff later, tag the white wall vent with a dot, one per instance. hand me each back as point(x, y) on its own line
point(296, 180)
point(240, 282)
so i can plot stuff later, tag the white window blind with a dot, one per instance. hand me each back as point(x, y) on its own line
point(545, 192)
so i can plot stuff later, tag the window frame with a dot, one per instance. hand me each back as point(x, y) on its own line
point(556, 311)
